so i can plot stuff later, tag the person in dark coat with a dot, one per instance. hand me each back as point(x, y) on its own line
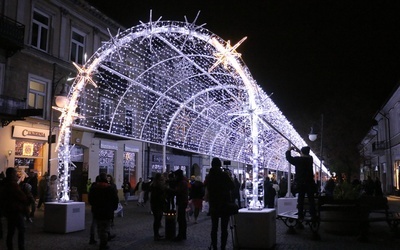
point(196, 194)
point(181, 193)
point(104, 200)
point(236, 191)
point(14, 203)
point(43, 189)
point(304, 179)
point(219, 187)
point(157, 201)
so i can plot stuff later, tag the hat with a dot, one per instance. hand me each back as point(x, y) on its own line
point(305, 150)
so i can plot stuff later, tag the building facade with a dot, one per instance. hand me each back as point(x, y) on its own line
point(380, 148)
point(39, 40)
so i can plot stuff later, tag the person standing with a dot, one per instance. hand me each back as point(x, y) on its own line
point(181, 192)
point(15, 202)
point(126, 189)
point(53, 188)
point(139, 190)
point(157, 201)
point(304, 179)
point(219, 187)
point(104, 200)
point(43, 188)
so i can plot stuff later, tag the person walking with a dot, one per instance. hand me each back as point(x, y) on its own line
point(304, 179)
point(196, 195)
point(14, 203)
point(181, 192)
point(157, 201)
point(219, 187)
point(126, 189)
point(104, 200)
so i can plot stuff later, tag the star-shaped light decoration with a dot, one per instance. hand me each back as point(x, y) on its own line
point(114, 41)
point(150, 29)
point(191, 27)
point(84, 74)
point(227, 53)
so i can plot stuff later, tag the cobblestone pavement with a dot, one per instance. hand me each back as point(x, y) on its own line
point(134, 231)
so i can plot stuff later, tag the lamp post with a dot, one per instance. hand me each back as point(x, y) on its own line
point(313, 136)
point(60, 100)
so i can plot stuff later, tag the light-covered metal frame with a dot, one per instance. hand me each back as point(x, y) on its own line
point(178, 85)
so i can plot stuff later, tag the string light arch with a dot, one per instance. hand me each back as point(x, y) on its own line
point(178, 85)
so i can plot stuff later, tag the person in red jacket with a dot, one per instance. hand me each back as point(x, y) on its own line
point(15, 202)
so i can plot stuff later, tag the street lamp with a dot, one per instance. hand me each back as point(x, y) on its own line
point(313, 136)
point(60, 100)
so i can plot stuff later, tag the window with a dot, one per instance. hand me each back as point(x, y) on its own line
point(106, 161)
point(29, 155)
point(105, 108)
point(129, 121)
point(129, 165)
point(40, 30)
point(77, 46)
point(37, 94)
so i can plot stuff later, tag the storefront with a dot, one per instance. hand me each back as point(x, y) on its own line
point(29, 149)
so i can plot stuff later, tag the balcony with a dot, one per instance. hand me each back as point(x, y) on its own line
point(11, 35)
point(12, 109)
point(379, 147)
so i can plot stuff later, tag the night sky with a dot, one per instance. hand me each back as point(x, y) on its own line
point(337, 58)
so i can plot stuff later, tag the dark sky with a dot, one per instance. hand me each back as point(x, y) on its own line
point(339, 58)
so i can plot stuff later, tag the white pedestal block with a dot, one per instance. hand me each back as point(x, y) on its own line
point(255, 229)
point(286, 204)
point(64, 217)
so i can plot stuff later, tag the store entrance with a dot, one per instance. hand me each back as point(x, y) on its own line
point(79, 178)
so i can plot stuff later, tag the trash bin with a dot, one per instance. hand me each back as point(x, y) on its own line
point(170, 224)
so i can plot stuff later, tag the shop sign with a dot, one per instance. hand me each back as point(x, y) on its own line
point(129, 148)
point(108, 145)
point(30, 133)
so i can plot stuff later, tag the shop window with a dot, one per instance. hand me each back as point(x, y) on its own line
point(29, 155)
point(106, 161)
point(156, 168)
point(130, 167)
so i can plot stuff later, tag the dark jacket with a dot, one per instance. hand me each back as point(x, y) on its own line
point(196, 190)
point(13, 198)
point(104, 200)
point(219, 188)
point(158, 194)
point(304, 167)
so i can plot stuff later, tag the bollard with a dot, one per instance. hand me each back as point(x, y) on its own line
point(170, 224)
